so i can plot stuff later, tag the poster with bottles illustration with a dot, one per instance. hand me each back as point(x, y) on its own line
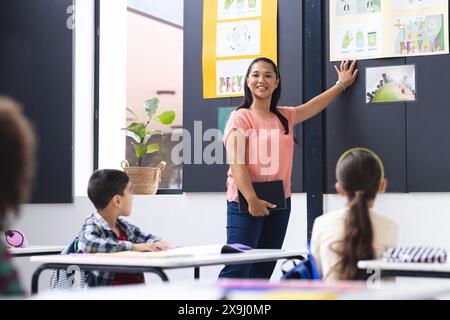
point(370, 29)
point(232, 37)
point(236, 9)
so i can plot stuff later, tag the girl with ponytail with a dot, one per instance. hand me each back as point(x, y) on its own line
point(343, 237)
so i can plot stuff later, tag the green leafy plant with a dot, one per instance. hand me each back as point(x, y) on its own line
point(141, 133)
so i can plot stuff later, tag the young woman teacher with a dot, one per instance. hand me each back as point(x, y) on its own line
point(260, 145)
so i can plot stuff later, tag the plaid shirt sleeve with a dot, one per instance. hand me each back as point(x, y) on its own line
point(138, 236)
point(93, 240)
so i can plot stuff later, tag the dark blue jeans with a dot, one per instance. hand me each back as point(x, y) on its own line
point(256, 232)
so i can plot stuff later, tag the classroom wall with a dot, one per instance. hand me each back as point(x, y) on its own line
point(194, 218)
point(423, 218)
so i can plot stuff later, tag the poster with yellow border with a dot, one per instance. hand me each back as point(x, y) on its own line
point(370, 29)
point(234, 33)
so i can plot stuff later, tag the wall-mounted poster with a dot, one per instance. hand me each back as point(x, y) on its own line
point(417, 4)
point(370, 29)
point(358, 40)
point(391, 84)
point(240, 38)
point(237, 9)
point(419, 35)
point(232, 37)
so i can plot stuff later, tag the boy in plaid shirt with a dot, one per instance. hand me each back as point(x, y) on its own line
point(105, 231)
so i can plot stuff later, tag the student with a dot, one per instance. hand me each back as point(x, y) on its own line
point(261, 123)
point(105, 231)
point(343, 237)
point(16, 171)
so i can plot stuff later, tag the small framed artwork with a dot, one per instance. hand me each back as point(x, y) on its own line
point(391, 84)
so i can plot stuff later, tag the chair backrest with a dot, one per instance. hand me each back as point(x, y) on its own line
point(72, 277)
point(303, 269)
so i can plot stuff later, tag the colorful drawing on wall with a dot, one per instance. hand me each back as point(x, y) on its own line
point(391, 84)
point(232, 38)
point(361, 29)
point(231, 76)
point(236, 9)
point(238, 38)
point(356, 7)
point(417, 4)
point(419, 35)
point(358, 40)
point(223, 114)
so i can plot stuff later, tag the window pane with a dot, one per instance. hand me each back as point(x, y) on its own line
point(155, 70)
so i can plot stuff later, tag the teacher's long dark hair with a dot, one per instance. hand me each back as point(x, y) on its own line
point(248, 98)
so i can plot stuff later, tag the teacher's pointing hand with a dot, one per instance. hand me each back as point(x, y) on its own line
point(346, 74)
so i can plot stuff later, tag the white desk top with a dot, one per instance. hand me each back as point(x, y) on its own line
point(209, 290)
point(382, 265)
point(251, 256)
point(163, 291)
point(33, 250)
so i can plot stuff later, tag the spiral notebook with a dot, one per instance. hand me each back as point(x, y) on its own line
point(270, 191)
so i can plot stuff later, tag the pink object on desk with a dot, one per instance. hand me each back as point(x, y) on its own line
point(15, 238)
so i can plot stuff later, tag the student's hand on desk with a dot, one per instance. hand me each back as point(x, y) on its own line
point(161, 245)
point(152, 247)
point(258, 207)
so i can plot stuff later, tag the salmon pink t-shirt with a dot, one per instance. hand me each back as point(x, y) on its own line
point(269, 151)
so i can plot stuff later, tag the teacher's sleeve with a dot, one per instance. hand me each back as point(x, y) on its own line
point(289, 113)
point(237, 122)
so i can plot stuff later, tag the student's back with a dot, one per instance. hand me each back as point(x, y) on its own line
point(343, 237)
point(329, 230)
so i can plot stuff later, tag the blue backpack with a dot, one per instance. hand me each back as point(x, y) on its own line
point(302, 270)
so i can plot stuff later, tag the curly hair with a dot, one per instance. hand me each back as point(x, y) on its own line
point(17, 145)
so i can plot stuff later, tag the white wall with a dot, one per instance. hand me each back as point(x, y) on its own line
point(424, 218)
point(189, 218)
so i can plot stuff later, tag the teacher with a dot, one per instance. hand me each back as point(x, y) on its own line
point(260, 147)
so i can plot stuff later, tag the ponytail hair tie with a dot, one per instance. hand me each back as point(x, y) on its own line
point(359, 193)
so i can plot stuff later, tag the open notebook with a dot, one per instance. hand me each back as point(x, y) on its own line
point(186, 251)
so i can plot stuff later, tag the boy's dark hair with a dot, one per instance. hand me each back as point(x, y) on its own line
point(104, 185)
point(17, 144)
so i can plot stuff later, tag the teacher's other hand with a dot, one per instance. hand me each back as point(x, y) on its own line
point(259, 208)
point(346, 74)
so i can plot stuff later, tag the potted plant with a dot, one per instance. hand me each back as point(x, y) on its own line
point(145, 180)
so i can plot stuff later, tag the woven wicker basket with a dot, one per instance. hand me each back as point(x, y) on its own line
point(145, 180)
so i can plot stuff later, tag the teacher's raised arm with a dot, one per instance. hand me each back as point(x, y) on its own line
point(346, 77)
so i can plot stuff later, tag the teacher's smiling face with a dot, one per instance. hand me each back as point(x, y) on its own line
point(262, 80)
